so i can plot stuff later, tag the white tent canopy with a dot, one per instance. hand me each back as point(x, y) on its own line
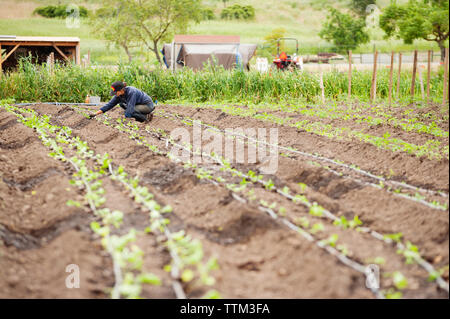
point(195, 51)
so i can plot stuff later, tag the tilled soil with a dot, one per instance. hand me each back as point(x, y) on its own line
point(419, 171)
point(259, 257)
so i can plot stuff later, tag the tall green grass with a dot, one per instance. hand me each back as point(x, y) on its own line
point(72, 84)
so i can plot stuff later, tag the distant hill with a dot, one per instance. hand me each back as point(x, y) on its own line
point(302, 19)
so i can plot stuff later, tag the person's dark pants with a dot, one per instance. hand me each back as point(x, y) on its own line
point(141, 111)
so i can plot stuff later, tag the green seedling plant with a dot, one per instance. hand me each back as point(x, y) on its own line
point(381, 180)
point(411, 253)
point(187, 275)
point(315, 210)
point(227, 166)
point(344, 223)
point(437, 273)
point(124, 259)
point(429, 149)
point(355, 223)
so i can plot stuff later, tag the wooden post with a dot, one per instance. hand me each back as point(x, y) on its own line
point(445, 88)
point(373, 87)
point(51, 62)
point(399, 74)
point(391, 72)
point(428, 75)
point(172, 57)
point(349, 73)
point(78, 54)
point(413, 81)
point(322, 88)
point(10, 52)
point(421, 83)
point(61, 53)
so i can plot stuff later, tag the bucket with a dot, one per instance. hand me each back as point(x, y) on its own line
point(94, 100)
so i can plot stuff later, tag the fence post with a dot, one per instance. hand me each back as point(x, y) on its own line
point(445, 88)
point(373, 88)
point(399, 74)
point(50, 62)
point(322, 88)
point(421, 83)
point(349, 73)
point(428, 75)
point(413, 81)
point(391, 71)
point(172, 57)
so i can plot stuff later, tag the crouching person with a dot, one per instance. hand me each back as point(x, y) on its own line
point(136, 103)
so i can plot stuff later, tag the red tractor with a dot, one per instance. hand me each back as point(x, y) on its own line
point(287, 62)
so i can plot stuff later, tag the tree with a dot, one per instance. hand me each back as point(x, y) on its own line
point(425, 19)
point(224, 3)
point(150, 22)
point(270, 40)
point(362, 7)
point(116, 27)
point(346, 32)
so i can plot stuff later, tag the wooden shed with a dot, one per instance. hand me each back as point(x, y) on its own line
point(12, 48)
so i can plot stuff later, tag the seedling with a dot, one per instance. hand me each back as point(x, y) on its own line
point(394, 237)
point(400, 281)
point(316, 210)
point(317, 227)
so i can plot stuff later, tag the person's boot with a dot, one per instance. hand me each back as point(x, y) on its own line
point(149, 117)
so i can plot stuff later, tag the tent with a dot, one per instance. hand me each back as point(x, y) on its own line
point(195, 51)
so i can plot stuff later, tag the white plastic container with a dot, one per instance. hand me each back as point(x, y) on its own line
point(94, 100)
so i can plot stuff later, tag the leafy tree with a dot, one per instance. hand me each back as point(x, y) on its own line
point(116, 27)
point(417, 19)
point(150, 22)
point(270, 40)
point(344, 31)
point(360, 7)
point(208, 14)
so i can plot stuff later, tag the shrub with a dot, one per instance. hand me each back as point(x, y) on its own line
point(238, 12)
point(208, 14)
point(344, 31)
point(270, 40)
point(59, 11)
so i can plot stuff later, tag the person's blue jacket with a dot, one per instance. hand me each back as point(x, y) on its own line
point(131, 97)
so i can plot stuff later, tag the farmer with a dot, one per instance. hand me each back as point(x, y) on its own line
point(136, 103)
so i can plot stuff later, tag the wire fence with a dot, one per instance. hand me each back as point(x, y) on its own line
point(309, 51)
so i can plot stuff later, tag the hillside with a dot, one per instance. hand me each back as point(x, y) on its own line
point(301, 20)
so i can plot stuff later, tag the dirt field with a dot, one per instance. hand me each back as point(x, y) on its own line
point(260, 254)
